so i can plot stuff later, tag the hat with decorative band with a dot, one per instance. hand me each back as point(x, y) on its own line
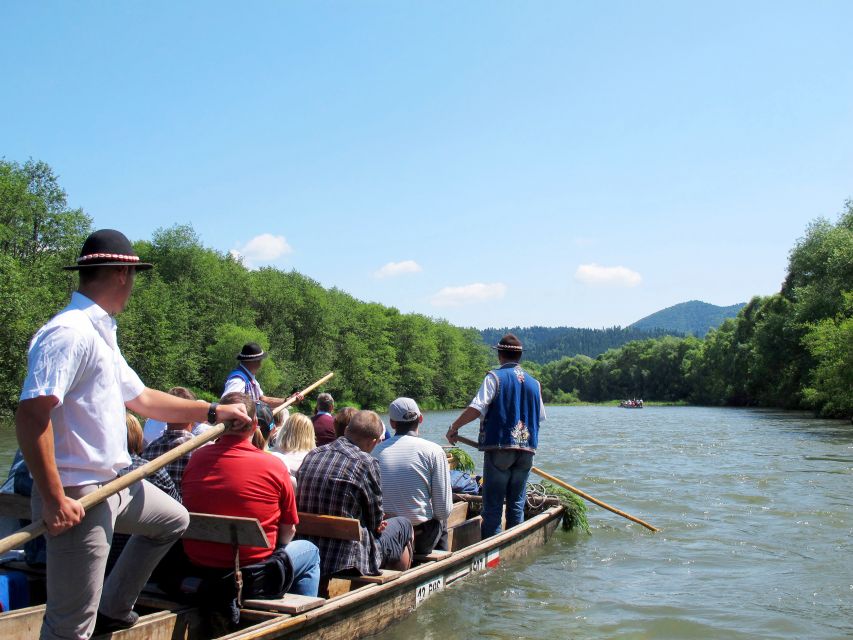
point(509, 343)
point(108, 248)
point(251, 351)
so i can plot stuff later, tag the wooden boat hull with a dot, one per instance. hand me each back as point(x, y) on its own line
point(357, 614)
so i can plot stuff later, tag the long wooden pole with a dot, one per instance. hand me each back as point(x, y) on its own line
point(88, 501)
point(577, 492)
point(304, 392)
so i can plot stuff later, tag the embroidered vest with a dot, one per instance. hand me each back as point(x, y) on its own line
point(512, 419)
point(249, 381)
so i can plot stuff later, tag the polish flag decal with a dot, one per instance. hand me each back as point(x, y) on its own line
point(493, 558)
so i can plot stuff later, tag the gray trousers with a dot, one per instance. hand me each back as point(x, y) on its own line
point(76, 558)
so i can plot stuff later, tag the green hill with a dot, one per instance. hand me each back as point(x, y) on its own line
point(546, 344)
point(693, 317)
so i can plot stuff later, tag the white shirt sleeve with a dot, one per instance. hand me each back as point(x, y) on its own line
point(54, 359)
point(485, 394)
point(131, 385)
point(234, 385)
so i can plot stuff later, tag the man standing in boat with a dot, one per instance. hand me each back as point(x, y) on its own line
point(70, 425)
point(243, 380)
point(509, 405)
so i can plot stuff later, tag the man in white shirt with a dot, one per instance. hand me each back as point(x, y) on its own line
point(415, 477)
point(70, 425)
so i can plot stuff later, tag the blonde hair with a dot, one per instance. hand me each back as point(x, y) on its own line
point(297, 434)
point(134, 433)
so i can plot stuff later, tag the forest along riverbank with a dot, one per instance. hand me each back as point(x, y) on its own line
point(756, 518)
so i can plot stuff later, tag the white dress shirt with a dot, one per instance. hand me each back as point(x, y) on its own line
point(75, 358)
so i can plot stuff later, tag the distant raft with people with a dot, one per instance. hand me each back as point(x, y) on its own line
point(631, 404)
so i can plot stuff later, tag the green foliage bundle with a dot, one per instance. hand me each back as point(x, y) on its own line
point(574, 516)
point(462, 461)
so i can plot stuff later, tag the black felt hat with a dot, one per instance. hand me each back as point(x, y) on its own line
point(251, 351)
point(108, 248)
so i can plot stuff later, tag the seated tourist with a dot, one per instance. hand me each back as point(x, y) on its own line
point(342, 418)
point(323, 420)
point(295, 441)
point(175, 435)
point(232, 477)
point(415, 477)
point(266, 429)
point(159, 479)
point(343, 479)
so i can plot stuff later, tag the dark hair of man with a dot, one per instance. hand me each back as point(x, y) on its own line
point(510, 356)
point(402, 428)
point(89, 275)
point(236, 397)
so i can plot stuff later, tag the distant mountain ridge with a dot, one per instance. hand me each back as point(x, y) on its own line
point(546, 344)
point(693, 317)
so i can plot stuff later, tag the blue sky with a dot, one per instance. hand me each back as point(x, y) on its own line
point(491, 163)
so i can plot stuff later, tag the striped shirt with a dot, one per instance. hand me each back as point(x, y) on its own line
point(415, 479)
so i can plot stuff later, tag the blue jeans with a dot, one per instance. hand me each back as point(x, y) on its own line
point(305, 560)
point(505, 474)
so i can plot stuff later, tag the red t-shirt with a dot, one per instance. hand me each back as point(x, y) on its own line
point(233, 478)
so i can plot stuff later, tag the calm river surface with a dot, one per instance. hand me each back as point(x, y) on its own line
point(756, 519)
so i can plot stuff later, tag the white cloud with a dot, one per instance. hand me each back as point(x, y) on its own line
point(596, 275)
point(397, 269)
point(468, 294)
point(263, 248)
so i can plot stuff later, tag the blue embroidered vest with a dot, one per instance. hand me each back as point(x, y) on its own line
point(512, 419)
point(247, 379)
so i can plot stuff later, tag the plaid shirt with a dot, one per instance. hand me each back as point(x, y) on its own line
point(168, 441)
point(339, 479)
point(159, 478)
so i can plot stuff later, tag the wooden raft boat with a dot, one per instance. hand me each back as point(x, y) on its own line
point(355, 609)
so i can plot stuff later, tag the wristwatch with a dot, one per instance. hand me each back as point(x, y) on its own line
point(211, 412)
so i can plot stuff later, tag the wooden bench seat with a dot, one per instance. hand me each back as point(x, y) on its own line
point(289, 603)
point(434, 556)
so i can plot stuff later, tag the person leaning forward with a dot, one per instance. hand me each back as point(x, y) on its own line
point(243, 380)
point(70, 425)
point(509, 403)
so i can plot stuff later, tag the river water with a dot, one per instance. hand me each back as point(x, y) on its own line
point(756, 524)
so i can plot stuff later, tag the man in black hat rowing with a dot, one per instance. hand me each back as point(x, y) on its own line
point(509, 404)
point(70, 425)
point(243, 380)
